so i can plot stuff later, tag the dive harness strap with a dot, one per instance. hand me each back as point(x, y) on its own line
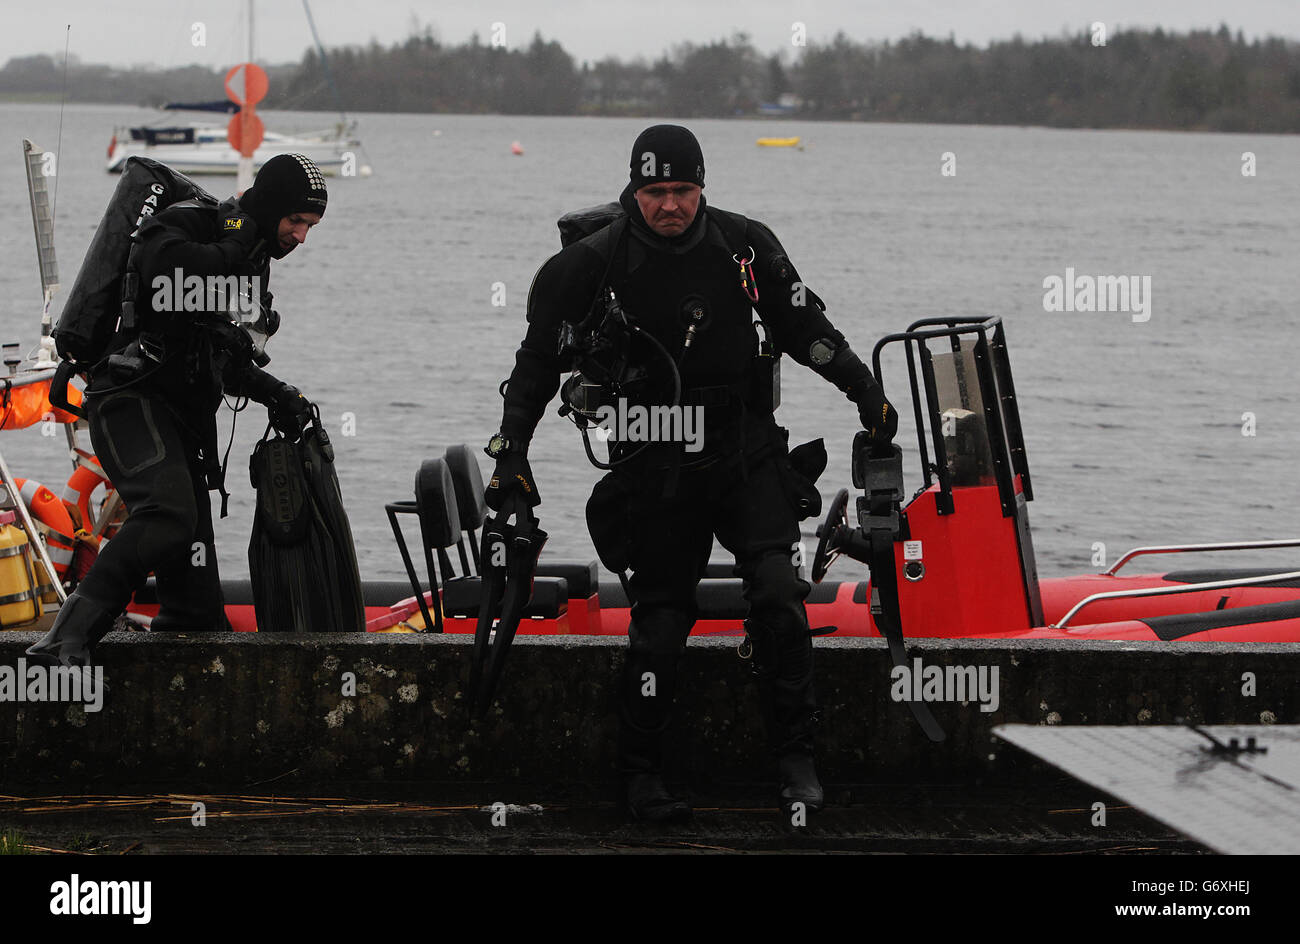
point(880, 526)
point(508, 563)
point(63, 375)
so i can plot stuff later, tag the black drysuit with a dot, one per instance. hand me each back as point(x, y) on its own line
point(154, 426)
point(657, 512)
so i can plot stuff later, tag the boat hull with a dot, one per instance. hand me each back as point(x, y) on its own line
point(1264, 614)
point(207, 152)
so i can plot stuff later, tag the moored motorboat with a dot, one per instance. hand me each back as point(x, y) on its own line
point(961, 546)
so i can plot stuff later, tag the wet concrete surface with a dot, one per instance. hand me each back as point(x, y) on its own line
point(362, 744)
point(518, 819)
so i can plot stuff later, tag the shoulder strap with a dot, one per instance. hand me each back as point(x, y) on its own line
point(732, 226)
point(190, 203)
point(612, 238)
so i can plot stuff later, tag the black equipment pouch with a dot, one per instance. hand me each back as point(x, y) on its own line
point(800, 469)
point(766, 372)
point(138, 358)
point(607, 521)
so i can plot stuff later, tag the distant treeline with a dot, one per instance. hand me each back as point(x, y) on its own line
point(1137, 79)
point(40, 78)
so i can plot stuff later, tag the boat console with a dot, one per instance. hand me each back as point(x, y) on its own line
point(963, 551)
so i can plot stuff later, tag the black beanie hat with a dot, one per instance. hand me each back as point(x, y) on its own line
point(666, 152)
point(286, 184)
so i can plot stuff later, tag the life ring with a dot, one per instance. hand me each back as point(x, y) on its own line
point(87, 477)
point(54, 519)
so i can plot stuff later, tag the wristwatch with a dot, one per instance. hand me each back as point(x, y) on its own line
point(497, 446)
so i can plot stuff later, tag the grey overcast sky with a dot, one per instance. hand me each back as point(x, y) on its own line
point(162, 32)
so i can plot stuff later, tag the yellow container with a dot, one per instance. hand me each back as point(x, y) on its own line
point(44, 586)
point(18, 603)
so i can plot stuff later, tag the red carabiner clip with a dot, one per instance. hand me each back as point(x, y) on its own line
point(748, 283)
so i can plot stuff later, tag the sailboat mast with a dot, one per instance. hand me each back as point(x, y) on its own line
point(244, 173)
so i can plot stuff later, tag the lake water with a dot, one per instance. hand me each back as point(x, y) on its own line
point(1134, 430)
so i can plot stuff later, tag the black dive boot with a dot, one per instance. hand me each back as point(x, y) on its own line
point(80, 624)
point(642, 723)
point(799, 783)
point(649, 801)
point(790, 713)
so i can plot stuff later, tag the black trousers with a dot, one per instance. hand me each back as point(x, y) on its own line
point(668, 545)
point(153, 460)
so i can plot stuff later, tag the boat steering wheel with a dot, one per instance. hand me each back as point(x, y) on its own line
point(829, 535)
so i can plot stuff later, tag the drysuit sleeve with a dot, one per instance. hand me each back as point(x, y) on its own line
point(252, 382)
point(796, 316)
point(562, 290)
point(181, 238)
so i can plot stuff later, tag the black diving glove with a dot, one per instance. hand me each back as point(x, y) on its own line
point(878, 416)
point(268, 322)
point(290, 411)
point(512, 476)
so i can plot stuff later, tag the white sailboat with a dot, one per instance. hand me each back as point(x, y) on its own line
point(198, 148)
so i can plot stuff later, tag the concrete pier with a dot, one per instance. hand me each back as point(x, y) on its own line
point(237, 709)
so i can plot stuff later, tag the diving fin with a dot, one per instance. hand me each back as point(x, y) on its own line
point(510, 554)
point(301, 556)
point(497, 535)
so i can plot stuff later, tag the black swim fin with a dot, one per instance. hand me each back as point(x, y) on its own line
point(497, 535)
point(509, 563)
point(301, 556)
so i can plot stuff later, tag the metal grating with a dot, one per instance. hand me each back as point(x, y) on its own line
point(42, 215)
point(1243, 803)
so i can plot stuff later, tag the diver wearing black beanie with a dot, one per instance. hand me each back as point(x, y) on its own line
point(680, 284)
point(152, 406)
point(664, 154)
point(286, 184)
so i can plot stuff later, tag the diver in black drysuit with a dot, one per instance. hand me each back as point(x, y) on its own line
point(152, 407)
point(658, 511)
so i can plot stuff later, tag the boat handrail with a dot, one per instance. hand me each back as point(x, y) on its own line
point(1182, 588)
point(1184, 548)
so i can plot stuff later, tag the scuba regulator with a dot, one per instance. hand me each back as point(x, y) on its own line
point(600, 349)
